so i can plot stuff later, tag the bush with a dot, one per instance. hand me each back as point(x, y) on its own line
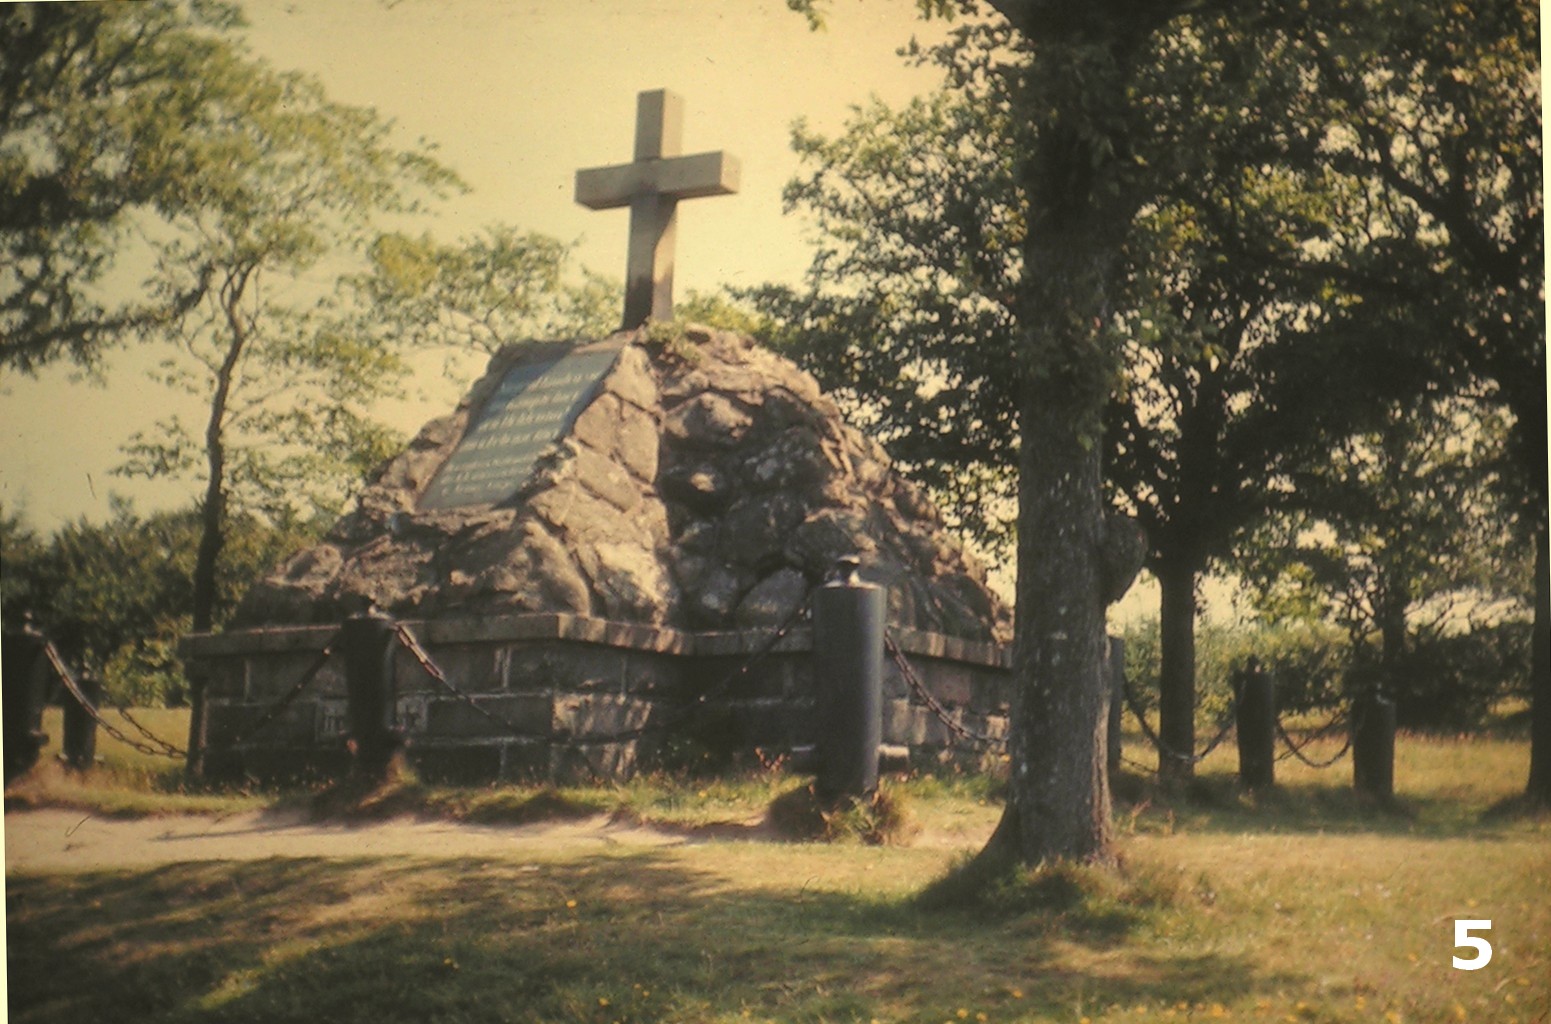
point(1308, 660)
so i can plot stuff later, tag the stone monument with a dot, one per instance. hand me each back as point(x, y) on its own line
point(602, 535)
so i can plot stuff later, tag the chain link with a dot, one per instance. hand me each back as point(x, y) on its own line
point(161, 749)
point(428, 665)
point(1296, 750)
point(421, 656)
point(958, 728)
point(1164, 750)
point(289, 698)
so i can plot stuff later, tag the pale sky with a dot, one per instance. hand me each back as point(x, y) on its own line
point(518, 96)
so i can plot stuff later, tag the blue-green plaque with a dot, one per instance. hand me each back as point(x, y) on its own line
point(534, 404)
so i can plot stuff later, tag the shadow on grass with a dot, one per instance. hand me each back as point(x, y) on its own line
point(640, 937)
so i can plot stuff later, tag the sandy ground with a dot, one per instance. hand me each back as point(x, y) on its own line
point(62, 840)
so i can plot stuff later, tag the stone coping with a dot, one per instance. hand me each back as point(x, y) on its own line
point(584, 629)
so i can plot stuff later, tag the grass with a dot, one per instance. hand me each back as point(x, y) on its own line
point(1303, 905)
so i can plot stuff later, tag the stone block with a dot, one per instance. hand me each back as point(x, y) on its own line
point(226, 679)
point(472, 668)
point(588, 667)
point(902, 722)
point(949, 682)
point(600, 715)
point(581, 763)
point(738, 678)
point(532, 666)
point(332, 720)
point(270, 677)
point(515, 715)
point(297, 724)
point(934, 732)
point(651, 673)
point(770, 724)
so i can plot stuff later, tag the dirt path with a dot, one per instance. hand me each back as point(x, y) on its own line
point(54, 840)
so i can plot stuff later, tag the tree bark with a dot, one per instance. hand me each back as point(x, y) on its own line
point(212, 534)
point(1058, 805)
point(1539, 788)
point(1177, 669)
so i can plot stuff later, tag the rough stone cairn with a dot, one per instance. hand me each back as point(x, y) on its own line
point(706, 487)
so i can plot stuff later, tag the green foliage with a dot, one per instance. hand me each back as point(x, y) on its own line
point(496, 288)
point(99, 126)
point(909, 315)
point(724, 311)
point(1308, 659)
point(281, 178)
point(1401, 538)
point(1447, 681)
point(116, 596)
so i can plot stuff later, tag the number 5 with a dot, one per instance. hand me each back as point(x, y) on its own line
point(1483, 948)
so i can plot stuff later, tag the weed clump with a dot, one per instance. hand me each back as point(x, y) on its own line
point(884, 819)
point(1092, 899)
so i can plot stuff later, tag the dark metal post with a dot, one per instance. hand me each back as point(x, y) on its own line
point(1116, 664)
point(848, 621)
point(1256, 726)
point(370, 642)
point(24, 677)
point(1373, 745)
point(80, 739)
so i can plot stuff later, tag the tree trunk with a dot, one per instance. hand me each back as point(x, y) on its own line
point(1058, 805)
point(212, 535)
point(1539, 789)
point(1177, 669)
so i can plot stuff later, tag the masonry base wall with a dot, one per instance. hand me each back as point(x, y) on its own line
point(563, 698)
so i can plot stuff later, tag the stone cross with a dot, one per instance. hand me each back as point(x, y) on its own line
point(652, 187)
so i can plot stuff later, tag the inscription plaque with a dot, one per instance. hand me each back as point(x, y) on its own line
point(534, 404)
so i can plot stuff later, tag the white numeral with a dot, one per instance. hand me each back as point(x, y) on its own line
point(1483, 948)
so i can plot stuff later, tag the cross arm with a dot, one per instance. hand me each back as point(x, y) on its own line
point(680, 177)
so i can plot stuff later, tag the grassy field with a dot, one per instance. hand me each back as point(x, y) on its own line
point(1307, 905)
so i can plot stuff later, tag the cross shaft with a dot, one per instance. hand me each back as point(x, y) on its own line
point(652, 186)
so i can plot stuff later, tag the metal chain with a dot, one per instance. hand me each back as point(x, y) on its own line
point(410, 644)
point(756, 657)
point(162, 748)
point(434, 671)
point(290, 696)
point(1163, 748)
point(932, 704)
point(1296, 750)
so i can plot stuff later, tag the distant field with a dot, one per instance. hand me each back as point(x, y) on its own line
point(1306, 905)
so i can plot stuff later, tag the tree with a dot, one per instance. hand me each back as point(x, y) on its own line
point(1433, 109)
point(477, 294)
point(114, 596)
point(1067, 77)
point(237, 180)
point(1397, 537)
point(907, 311)
point(299, 178)
point(97, 128)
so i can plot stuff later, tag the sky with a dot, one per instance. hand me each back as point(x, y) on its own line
point(517, 95)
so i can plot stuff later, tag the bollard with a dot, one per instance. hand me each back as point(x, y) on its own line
point(1373, 745)
point(1255, 722)
point(1116, 666)
point(80, 739)
point(848, 620)
point(370, 642)
point(24, 676)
